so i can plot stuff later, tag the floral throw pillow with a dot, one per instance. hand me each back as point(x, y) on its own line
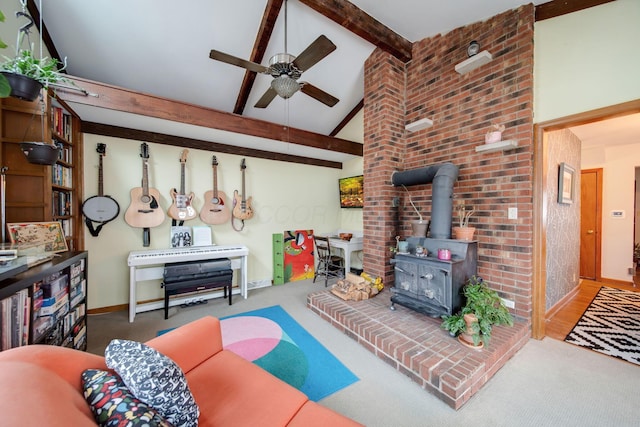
point(113, 405)
point(155, 379)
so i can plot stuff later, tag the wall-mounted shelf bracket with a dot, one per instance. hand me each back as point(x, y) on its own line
point(474, 62)
point(509, 144)
point(419, 125)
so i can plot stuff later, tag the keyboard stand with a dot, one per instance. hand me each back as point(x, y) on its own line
point(149, 265)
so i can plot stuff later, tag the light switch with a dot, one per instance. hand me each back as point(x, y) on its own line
point(513, 213)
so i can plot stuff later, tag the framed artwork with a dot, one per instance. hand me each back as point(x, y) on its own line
point(566, 184)
point(48, 235)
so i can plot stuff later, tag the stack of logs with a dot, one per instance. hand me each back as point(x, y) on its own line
point(354, 288)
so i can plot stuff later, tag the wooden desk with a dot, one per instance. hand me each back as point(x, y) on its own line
point(347, 247)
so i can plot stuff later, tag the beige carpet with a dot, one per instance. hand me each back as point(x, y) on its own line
point(547, 383)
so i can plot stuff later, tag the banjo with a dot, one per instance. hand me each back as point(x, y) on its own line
point(100, 208)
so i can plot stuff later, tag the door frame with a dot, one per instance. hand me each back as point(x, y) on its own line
point(540, 159)
point(599, 172)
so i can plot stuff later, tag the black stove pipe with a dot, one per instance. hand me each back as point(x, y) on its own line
point(443, 177)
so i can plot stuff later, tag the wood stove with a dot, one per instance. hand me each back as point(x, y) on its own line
point(430, 285)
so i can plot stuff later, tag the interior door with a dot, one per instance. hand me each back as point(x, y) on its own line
point(590, 223)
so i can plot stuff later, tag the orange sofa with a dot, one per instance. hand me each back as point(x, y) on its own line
point(40, 385)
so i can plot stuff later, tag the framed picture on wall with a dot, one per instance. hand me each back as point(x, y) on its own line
point(566, 184)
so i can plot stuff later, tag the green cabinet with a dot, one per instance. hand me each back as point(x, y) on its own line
point(278, 258)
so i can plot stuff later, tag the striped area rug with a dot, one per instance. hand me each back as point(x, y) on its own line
point(610, 325)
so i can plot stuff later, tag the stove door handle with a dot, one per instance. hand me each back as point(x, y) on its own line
point(396, 268)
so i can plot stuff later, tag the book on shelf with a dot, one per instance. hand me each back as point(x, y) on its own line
point(15, 320)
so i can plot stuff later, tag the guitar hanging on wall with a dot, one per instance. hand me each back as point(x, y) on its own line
point(182, 208)
point(100, 208)
point(215, 209)
point(242, 209)
point(144, 210)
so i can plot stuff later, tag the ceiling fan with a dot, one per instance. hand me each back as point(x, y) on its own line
point(286, 69)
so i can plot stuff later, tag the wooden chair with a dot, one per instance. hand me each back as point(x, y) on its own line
point(328, 265)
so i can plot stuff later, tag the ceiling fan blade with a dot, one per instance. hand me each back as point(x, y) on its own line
point(266, 98)
point(229, 59)
point(319, 94)
point(317, 50)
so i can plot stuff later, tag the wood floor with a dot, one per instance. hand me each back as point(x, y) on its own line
point(563, 321)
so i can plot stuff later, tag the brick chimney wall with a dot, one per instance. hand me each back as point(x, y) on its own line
point(463, 108)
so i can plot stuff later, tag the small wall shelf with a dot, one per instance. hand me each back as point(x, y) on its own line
point(419, 125)
point(509, 144)
point(474, 62)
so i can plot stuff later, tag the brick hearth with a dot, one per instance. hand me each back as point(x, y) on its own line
point(415, 345)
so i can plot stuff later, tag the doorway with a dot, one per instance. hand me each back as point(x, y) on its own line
point(540, 186)
point(590, 223)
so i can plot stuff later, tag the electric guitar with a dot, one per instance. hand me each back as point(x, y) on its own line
point(144, 210)
point(242, 206)
point(215, 209)
point(100, 208)
point(182, 209)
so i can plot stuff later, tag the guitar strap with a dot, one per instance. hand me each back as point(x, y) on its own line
point(94, 231)
point(234, 225)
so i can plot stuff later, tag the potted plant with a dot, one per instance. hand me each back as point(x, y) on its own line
point(495, 134)
point(419, 228)
point(25, 73)
point(483, 309)
point(464, 231)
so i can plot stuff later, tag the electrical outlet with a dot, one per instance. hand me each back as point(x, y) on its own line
point(512, 213)
point(508, 303)
point(632, 271)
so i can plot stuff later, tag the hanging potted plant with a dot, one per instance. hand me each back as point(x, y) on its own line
point(26, 74)
point(482, 310)
point(464, 231)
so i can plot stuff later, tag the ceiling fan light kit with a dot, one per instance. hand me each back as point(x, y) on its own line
point(285, 86)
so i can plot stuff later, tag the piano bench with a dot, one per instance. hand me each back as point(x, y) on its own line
point(177, 288)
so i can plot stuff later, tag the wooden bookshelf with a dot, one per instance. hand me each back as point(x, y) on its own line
point(36, 193)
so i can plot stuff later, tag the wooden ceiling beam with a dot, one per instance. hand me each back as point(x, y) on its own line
point(348, 118)
point(562, 7)
point(111, 97)
point(257, 54)
point(359, 22)
point(199, 144)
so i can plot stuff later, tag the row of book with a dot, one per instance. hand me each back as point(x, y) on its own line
point(61, 123)
point(62, 176)
point(66, 151)
point(61, 202)
point(15, 320)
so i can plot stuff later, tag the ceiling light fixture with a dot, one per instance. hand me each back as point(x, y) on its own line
point(285, 86)
point(473, 48)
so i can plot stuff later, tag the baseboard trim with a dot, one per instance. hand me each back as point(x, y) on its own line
point(563, 301)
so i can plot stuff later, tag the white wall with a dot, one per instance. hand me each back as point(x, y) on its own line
point(286, 196)
point(618, 163)
point(586, 60)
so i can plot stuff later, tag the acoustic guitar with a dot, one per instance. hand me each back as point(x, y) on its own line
point(241, 205)
point(144, 210)
point(100, 208)
point(182, 208)
point(215, 209)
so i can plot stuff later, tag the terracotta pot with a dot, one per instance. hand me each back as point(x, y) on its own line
point(464, 233)
point(419, 228)
point(466, 338)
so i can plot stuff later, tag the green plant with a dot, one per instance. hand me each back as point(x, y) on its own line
point(44, 70)
point(486, 305)
point(5, 88)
